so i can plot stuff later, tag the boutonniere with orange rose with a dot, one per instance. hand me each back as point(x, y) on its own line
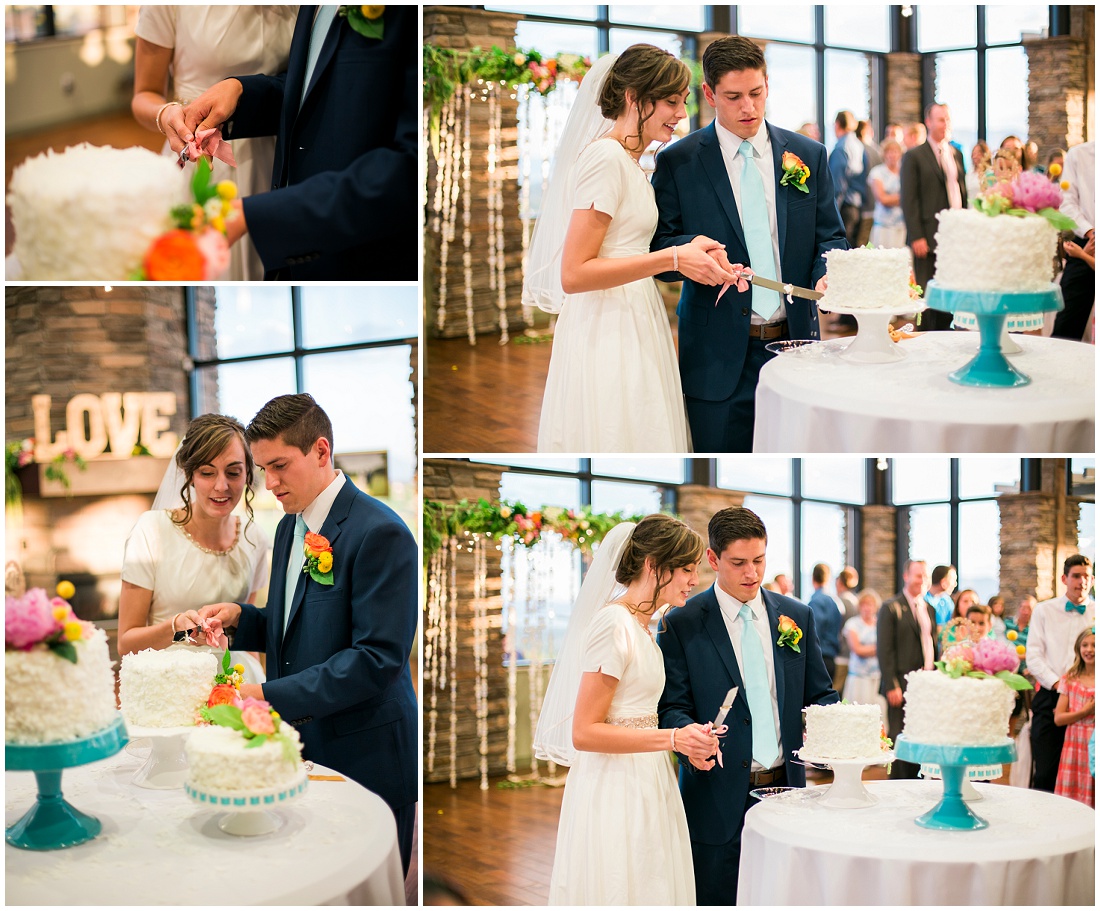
point(366, 20)
point(789, 633)
point(795, 173)
point(318, 558)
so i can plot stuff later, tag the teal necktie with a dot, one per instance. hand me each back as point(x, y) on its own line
point(325, 15)
point(758, 232)
point(294, 566)
point(765, 748)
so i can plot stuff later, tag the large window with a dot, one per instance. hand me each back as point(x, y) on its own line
point(350, 347)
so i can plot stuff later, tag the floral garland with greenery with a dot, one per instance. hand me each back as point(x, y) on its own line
point(512, 519)
point(20, 453)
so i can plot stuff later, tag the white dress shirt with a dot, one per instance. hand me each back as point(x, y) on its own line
point(1050, 638)
point(1079, 201)
point(762, 158)
point(731, 607)
point(315, 514)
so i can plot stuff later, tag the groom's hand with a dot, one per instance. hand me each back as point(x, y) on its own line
point(214, 106)
point(704, 765)
point(226, 611)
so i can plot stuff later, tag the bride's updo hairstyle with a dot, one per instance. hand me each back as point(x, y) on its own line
point(207, 437)
point(650, 74)
point(668, 542)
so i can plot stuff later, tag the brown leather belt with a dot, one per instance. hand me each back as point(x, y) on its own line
point(766, 776)
point(768, 332)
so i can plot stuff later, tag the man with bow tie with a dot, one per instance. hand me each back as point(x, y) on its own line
point(1055, 625)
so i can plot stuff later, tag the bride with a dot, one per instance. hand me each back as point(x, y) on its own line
point(622, 836)
point(189, 549)
point(613, 354)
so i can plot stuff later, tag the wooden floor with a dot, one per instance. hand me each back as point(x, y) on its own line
point(487, 397)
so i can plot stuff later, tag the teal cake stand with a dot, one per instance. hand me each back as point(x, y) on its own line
point(53, 822)
point(991, 308)
point(952, 812)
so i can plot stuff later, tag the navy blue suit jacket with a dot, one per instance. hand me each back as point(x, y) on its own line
point(340, 674)
point(694, 197)
point(700, 667)
point(344, 201)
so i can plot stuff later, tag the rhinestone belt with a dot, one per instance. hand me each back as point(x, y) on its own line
point(633, 721)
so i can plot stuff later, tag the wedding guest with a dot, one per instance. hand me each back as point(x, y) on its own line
point(196, 46)
point(915, 134)
point(785, 585)
point(861, 633)
point(944, 580)
point(866, 133)
point(828, 617)
point(810, 131)
point(1056, 161)
point(1076, 712)
point(1078, 280)
point(337, 652)
point(932, 179)
point(982, 161)
point(846, 581)
point(888, 228)
point(963, 600)
point(1055, 626)
point(730, 635)
point(848, 165)
point(907, 641)
point(190, 548)
point(895, 132)
point(1030, 157)
point(346, 117)
point(997, 620)
point(977, 619)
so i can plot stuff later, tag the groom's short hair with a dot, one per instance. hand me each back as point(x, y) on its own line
point(735, 523)
point(298, 419)
point(731, 54)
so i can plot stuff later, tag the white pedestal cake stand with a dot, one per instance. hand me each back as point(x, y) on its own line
point(166, 766)
point(872, 344)
point(249, 813)
point(847, 791)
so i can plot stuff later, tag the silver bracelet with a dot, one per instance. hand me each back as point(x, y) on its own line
point(674, 729)
point(160, 111)
point(675, 259)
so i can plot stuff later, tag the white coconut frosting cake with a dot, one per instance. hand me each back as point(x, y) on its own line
point(166, 688)
point(48, 699)
point(941, 709)
point(221, 759)
point(975, 252)
point(867, 279)
point(90, 212)
point(841, 731)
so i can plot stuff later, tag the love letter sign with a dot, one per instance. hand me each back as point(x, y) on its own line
point(114, 420)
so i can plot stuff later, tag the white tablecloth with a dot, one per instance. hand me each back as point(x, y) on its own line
point(1038, 850)
point(812, 400)
point(337, 846)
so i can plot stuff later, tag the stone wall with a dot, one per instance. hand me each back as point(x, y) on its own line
point(903, 90)
point(878, 564)
point(461, 28)
point(1059, 87)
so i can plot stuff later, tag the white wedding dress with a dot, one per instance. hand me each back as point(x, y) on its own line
point(614, 383)
point(623, 834)
point(210, 43)
point(182, 575)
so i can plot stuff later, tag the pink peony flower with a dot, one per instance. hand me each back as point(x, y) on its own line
point(1033, 192)
point(257, 720)
point(253, 702)
point(215, 253)
point(28, 620)
point(993, 655)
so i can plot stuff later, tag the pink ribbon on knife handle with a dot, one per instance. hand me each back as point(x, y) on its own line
point(719, 732)
point(215, 638)
point(742, 284)
point(208, 142)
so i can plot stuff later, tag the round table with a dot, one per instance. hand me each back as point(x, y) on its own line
point(813, 400)
point(1039, 849)
point(337, 846)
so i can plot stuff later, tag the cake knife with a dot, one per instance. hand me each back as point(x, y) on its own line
point(785, 289)
point(724, 708)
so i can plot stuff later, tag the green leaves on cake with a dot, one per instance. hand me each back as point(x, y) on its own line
point(256, 721)
point(984, 658)
point(231, 674)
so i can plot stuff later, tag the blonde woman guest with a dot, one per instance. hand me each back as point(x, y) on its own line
point(191, 48)
point(861, 633)
point(884, 180)
point(194, 550)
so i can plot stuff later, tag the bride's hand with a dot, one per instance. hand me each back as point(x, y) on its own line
point(186, 620)
point(174, 128)
point(697, 263)
point(696, 742)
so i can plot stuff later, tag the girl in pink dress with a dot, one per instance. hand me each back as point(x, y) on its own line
point(1076, 708)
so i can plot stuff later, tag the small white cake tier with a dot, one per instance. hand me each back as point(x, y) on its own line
point(840, 731)
point(971, 711)
point(90, 212)
point(165, 688)
point(976, 252)
point(49, 699)
point(220, 759)
point(867, 279)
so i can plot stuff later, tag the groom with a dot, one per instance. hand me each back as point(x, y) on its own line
point(338, 651)
point(730, 636)
point(724, 182)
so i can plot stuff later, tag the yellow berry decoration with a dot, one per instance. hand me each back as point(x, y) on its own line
point(1064, 184)
point(74, 630)
point(226, 189)
point(1011, 635)
point(372, 12)
point(1021, 650)
point(65, 589)
point(239, 668)
point(1055, 169)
